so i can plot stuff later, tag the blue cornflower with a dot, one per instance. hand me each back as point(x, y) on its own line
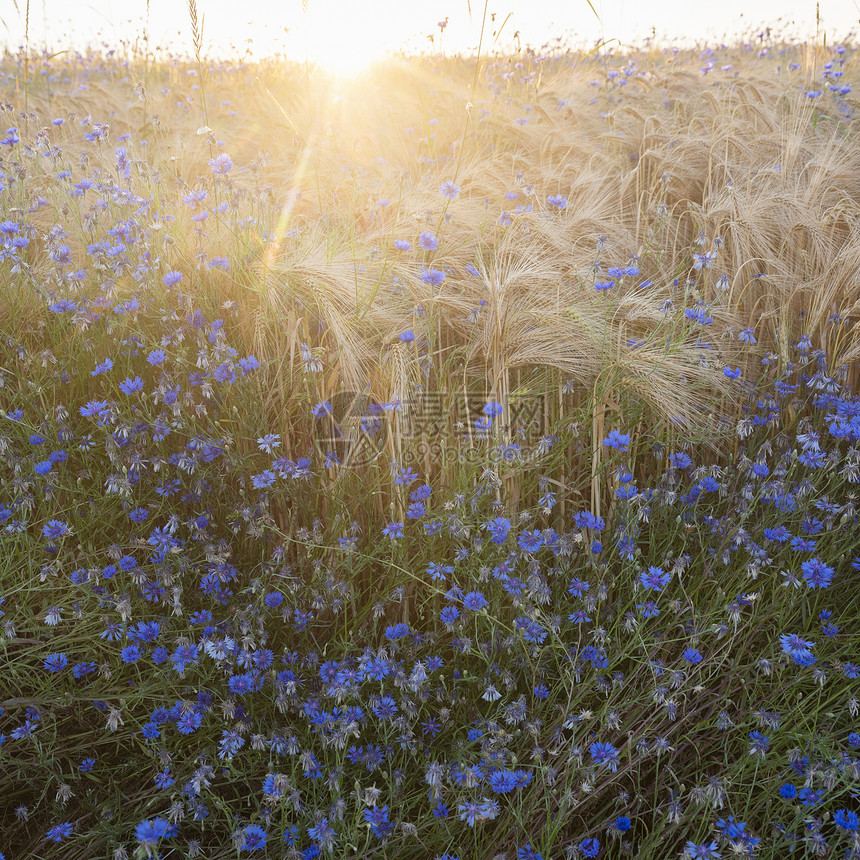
point(605, 753)
point(189, 722)
point(43, 467)
point(498, 529)
point(397, 631)
point(171, 278)
point(618, 440)
point(816, 573)
point(439, 571)
point(655, 579)
point(248, 364)
point(732, 374)
point(428, 241)
point(403, 244)
point(55, 529)
point(321, 409)
point(60, 831)
point(221, 165)
point(557, 201)
point(269, 442)
point(56, 662)
point(433, 277)
point(589, 847)
point(129, 385)
point(407, 336)
point(149, 832)
point(475, 601)
point(405, 477)
point(760, 744)
point(138, 515)
point(156, 356)
point(449, 614)
point(787, 791)
point(378, 820)
point(795, 647)
point(578, 587)
point(530, 541)
point(263, 480)
point(846, 819)
point(130, 654)
point(254, 838)
point(705, 851)
point(693, 655)
point(393, 531)
point(680, 460)
point(528, 853)
point(421, 494)
point(103, 367)
point(449, 189)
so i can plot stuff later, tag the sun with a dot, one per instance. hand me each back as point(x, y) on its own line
point(343, 39)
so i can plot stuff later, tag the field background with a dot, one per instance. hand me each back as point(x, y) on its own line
point(254, 308)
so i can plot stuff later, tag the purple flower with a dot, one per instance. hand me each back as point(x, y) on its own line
point(605, 753)
point(129, 385)
point(221, 165)
point(393, 530)
point(151, 831)
point(433, 277)
point(795, 647)
point(816, 573)
point(56, 662)
point(428, 241)
point(655, 579)
point(449, 189)
point(171, 278)
point(60, 831)
point(617, 440)
point(475, 601)
point(55, 529)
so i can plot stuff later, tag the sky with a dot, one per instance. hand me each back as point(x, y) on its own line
point(347, 34)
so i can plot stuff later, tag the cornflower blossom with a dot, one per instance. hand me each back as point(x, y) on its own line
point(705, 851)
point(433, 277)
point(428, 241)
point(449, 189)
point(605, 753)
point(253, 838)
point(393, 531)
point(655, 579)
point(618, 440)
point(149, 832)
point(760, 744)
point(796, 647)
point(816, 573)
point(475, 601)
point(221, 165)
point(60, 831)
point(269, 442)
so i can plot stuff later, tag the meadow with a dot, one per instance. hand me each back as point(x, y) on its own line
point(458, 461)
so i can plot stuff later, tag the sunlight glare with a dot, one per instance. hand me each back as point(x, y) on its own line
point(348, 41)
